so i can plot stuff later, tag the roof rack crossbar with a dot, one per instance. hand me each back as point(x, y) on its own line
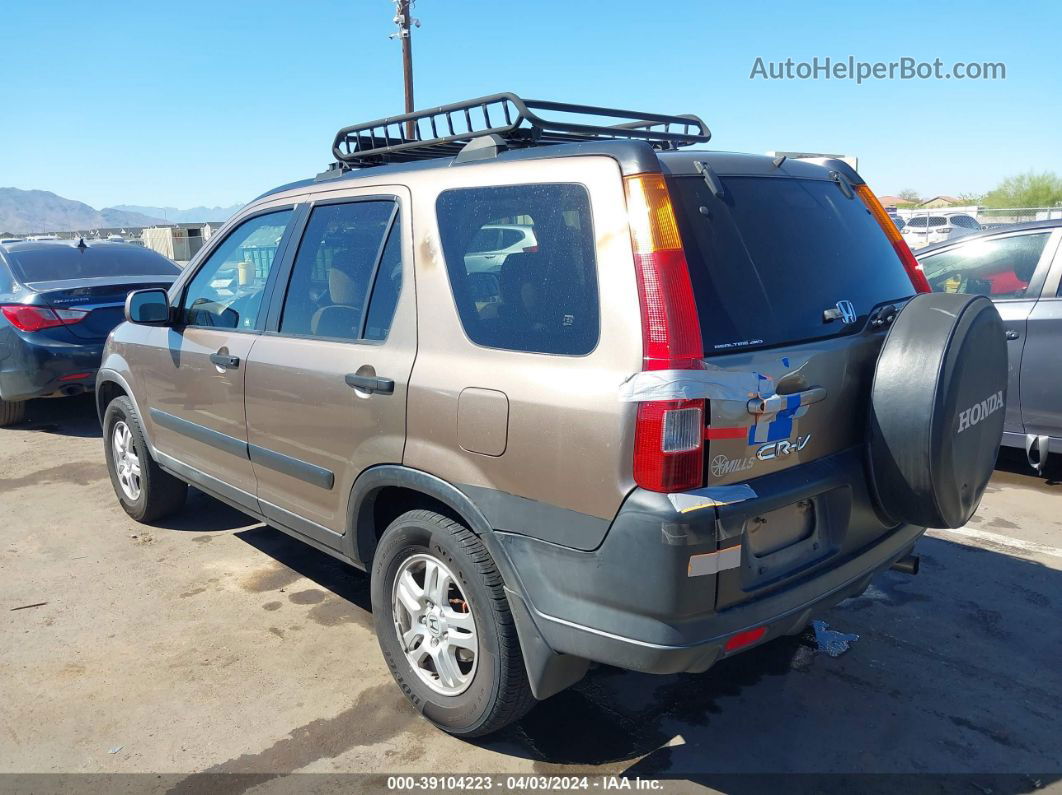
point(385, 140)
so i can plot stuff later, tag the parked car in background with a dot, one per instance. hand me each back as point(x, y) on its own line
point(494, 243)
point(58, 302)
point(898, 221)
point(1020, 268)
point(925, 230)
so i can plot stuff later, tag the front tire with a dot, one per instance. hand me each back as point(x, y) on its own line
point(444, 626)
point(145, 492)
point(11, 411)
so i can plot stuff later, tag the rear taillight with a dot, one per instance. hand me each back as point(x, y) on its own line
point(668, 456)
point(37, 318)
point(669, 435)
point(671, 332)
point(910, 264)
point(530, 249)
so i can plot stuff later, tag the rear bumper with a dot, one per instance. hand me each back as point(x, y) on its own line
point(30, 369)
point(638, 602)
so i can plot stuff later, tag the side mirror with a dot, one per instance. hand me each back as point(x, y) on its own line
point(148, 307)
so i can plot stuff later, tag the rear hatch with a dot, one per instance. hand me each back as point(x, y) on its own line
point(793, 278)
point(103, 300)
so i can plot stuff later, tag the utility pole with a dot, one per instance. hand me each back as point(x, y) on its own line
point(405, 24)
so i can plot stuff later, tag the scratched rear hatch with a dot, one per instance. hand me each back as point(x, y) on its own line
point(787, 271)
point(794, 282)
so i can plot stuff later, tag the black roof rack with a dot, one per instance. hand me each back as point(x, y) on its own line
point(444, 131)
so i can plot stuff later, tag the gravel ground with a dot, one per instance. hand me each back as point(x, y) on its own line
point(213, 644)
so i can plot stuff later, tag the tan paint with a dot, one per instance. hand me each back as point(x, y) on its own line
point(558, 405)
point(298, 405)
point(482, 421)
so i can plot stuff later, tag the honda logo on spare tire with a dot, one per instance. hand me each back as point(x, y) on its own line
point(978, 411)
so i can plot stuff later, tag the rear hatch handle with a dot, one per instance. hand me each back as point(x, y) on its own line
point(777, 403)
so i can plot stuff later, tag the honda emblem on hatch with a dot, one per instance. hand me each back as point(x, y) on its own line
point(848, 313)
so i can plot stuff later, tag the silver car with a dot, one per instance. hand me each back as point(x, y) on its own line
point(1020, 268)
point(927, 229)
point(495, 242)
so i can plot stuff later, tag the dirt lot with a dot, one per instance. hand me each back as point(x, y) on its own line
point(212, 644)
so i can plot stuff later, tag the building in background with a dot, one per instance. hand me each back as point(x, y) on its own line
point(940, 201)
point(179, 242)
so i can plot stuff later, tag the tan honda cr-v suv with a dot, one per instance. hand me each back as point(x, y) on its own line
point(706, 400)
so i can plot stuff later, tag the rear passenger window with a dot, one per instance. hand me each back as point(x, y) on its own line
point(542, 299)
point(342, 271)
point(999, 268)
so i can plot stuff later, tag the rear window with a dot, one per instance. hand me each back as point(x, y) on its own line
point(921, 221)
point(770, 257)
point(542, 299)
point(59, 262)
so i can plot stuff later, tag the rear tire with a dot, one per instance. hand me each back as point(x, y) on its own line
point(145, 492)
point(11, 411)
point(486, 691)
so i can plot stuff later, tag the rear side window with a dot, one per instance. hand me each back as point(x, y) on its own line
point(335, 270)
point(770, 257)
point(965, 221)
point(541, 300)
point(999, 268)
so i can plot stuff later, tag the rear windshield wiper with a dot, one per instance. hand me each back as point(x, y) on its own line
point(711, 179)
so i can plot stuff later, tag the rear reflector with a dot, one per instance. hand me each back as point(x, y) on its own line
point(669, 434)
point(74, 376)
point(683, 430)
point(743, 639)
point(903, 251)
point(37, 318)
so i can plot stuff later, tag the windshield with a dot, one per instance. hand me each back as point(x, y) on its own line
point(770, 257)
point(62, 262)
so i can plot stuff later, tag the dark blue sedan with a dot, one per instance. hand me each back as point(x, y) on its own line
point(58, 302)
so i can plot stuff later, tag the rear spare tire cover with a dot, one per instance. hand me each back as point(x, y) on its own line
point(936, 409)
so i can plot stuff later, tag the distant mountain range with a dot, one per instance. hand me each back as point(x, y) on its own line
point(174, 216)
point(41, 211)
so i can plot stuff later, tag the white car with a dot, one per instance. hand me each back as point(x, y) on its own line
point(924, 229)
point(494, 242)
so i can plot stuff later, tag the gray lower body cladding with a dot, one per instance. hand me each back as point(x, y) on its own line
point(643, 601)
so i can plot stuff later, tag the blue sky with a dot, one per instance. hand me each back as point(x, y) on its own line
point(213, 102)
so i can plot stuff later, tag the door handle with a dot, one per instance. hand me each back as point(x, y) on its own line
point(1012, 334)
point(225, 361)
point(776, 403)
point(370, 383)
